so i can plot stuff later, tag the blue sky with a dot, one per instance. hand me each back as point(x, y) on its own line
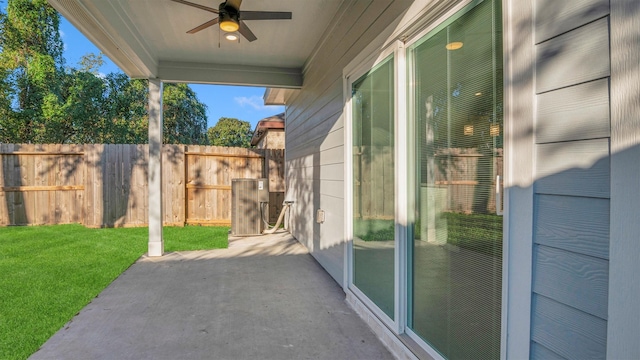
point(241, 102)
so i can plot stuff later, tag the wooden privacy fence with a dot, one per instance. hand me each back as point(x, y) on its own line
point(466, 178)
point(106, 185)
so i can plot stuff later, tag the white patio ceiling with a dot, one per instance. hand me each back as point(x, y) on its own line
point(148, 39)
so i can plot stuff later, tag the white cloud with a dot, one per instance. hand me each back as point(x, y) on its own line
point(255, 102)
point(62, 35)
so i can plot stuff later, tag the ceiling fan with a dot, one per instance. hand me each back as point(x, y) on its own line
point(231, 19)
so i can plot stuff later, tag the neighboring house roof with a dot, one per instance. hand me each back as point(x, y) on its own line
point(275, 122)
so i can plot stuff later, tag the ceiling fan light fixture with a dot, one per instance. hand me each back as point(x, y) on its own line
point(232, 36)
point(228, 20)
point(229, 25)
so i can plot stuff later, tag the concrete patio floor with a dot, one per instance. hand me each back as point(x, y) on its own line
point(262, 298)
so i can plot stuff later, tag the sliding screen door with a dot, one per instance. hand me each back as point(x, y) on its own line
point(456, 252)
point(372, 100)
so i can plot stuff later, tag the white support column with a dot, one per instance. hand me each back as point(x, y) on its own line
point(156, 243)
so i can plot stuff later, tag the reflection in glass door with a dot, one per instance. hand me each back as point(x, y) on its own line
point(455, 272)
point(372, 103)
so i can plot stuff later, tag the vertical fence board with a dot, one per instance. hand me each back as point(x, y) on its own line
point(88, 188)
point(13, 172)
point(140, 174)
point(4, 204)
point(27, 172)
point(99, 186)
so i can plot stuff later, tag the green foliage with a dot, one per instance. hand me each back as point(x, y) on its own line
point(185, 118)
point(230, 132)
point(49, 273)
point(91, 63)
point(125, 103)
point(31, 63)
point(374, 229)
point(75, 116)
point(477, 232)
point(41, 101)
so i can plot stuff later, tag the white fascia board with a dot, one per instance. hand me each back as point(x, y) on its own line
point(230, 74)
point(273, 96)
point(101, 33)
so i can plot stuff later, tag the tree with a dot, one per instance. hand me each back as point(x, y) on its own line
point(91, 63)
point(31, 63)
point(184, 117)
point(230, 132)
point(76, 114)
point(125, 102)
point(41, 101)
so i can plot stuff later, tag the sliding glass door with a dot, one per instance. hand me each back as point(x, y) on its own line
point(429, 262)
point(455, 253)
point(372, 103)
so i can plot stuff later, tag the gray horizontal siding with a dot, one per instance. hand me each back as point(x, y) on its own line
point(578, 56)
point(572, 187)
point(325, 106)
point(574, 113)
point(568, 332)
point(572, 279)
point(577, 168)
point(555, 17)
point(318, 172)
point(575, 224)
point(322, 142)
point(539, 352)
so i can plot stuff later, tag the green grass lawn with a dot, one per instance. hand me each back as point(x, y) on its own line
point(49, 273)
point(478, 232)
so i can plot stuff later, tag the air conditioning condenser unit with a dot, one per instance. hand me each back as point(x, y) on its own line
point(249, 203)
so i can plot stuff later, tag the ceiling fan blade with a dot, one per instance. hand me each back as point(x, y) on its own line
point(203, 26)
point(234, 4)
point(265, 15)
point(201, 7)
point(246, 32)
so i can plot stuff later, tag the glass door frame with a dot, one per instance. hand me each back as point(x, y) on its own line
point(454, 13)
point(352, 74)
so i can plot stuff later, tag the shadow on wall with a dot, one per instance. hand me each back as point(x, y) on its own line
point(306, 172)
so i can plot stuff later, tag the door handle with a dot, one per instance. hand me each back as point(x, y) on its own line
point(499, 209)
